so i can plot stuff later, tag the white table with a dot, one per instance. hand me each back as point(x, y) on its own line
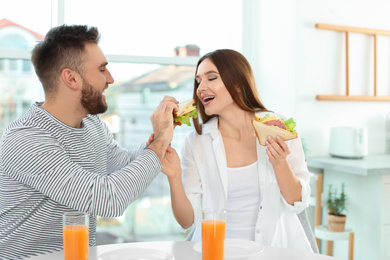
point(183, 250)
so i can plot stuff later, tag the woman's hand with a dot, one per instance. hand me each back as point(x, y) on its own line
point(151, 137)
point(181, 206)
point(277, 151)
point(289, 184)
point(171, 164)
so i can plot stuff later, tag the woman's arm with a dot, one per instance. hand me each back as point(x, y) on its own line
point(289, 184)
point(181, 206)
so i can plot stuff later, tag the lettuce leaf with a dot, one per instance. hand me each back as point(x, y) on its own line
point(290, 124)
point(185, 119)
point(263, 118)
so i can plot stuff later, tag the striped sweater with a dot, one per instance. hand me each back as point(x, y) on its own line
point(48, 168)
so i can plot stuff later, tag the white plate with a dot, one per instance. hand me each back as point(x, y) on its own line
point(237, 248)
point(136, 254)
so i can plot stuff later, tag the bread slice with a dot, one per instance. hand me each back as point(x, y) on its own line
point(263, 131)
point(184, 108)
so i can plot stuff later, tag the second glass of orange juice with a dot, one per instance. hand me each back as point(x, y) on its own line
point(213, 234)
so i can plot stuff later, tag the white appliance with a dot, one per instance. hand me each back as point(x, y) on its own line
point(348, 142)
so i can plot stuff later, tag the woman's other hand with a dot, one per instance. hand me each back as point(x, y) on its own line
point(277, 151)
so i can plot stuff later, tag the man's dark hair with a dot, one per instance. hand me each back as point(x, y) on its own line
point(63, 47)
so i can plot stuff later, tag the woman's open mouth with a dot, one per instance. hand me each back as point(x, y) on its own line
point(207, 100)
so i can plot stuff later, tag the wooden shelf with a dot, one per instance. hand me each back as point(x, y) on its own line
point(352, 98)
point(342, 28)
point(347, 30)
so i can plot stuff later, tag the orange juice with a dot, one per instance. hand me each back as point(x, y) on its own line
point(75, 242)
point(213, 237)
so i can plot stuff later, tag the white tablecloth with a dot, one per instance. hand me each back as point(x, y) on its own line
point(183, 250)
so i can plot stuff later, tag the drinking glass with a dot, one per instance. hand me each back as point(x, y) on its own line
point(75, 229)
point(213, 234)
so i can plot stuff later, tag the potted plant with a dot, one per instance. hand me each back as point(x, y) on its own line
point(336, 204)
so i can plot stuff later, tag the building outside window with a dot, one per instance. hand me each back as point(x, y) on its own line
point(18, 82)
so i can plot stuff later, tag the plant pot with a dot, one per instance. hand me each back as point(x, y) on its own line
point(336, 223)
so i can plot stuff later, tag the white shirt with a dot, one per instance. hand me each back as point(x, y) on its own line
point(206, 184)
point(243, 199)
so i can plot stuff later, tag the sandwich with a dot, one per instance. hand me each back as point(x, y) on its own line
point(272, 126)
point(185, 112)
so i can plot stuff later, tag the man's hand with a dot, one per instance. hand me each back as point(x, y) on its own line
point(162, 121)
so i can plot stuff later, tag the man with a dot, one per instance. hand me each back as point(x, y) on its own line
point(61, 157)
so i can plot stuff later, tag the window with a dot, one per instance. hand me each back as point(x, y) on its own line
point(156, 27)
point(152, 47)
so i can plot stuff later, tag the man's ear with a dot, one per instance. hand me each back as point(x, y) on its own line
point(71, 78)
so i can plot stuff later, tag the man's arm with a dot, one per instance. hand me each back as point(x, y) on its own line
point(38, 160)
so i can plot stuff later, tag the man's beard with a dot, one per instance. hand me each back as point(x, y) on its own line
point(92, 100)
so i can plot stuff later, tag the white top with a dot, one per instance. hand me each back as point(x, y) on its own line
point(242, 202)
point(206, 184)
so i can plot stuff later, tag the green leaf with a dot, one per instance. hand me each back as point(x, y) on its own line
point(185, 119)
point(290, 124)
point(336, 203)
point(264, 118)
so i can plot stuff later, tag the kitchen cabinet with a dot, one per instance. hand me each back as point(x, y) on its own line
point(367, 183)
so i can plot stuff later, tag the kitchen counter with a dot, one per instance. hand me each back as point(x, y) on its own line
point(377, 164)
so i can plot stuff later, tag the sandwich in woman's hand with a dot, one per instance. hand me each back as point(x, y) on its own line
point(272, 126)
point(185, 112)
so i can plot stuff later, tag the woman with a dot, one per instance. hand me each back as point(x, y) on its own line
point(262, 188)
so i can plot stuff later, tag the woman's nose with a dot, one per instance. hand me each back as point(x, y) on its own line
point(201, 86)
point(199, 89)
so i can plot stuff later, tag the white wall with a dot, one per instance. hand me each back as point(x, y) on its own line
point(320, 69)
point(269, 30)
point(294, 62)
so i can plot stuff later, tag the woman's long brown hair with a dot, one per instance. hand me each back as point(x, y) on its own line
point(237, 76)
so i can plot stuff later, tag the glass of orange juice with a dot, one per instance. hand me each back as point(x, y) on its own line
point(213, 234)
point(75, 235)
